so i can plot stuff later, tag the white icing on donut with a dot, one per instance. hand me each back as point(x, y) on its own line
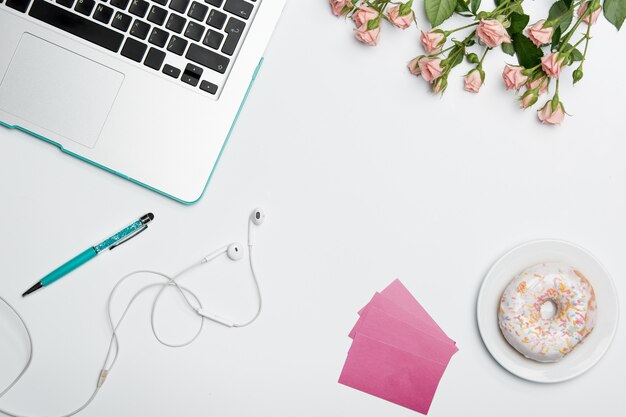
point(547, 339)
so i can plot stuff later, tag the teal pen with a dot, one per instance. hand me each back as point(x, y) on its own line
point(111, 243)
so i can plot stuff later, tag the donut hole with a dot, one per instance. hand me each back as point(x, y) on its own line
point(548, 310)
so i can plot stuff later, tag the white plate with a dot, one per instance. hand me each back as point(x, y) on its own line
point(588, 352)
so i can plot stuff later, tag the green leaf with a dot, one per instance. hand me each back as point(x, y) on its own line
point(615, 12)
point(373, 24)
point(406, 8)
point(561, 12)
point(461, 7)
point(574, 55)
point(528, 55)
point(455, 57)
point(568, 3)
point(556, 38)
point(437, 11)
point(518, 22)
point(474, 5)
point(508, 48)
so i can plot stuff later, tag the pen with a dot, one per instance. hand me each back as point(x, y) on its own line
point(111, 243)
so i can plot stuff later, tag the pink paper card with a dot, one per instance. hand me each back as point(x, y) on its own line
point(391, 374)
point(380, 326)
point(422, 322)
point(397, 292)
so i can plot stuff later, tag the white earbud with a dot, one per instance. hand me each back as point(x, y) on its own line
point(235, 251)
point(258, 216)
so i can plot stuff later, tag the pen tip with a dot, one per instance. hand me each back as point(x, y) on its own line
point(33, 289)
point(147, 218)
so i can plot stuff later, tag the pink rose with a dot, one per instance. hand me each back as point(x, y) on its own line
point(414, 67)
point(529, 98)
point(473, 81)
point(340, 7)
point(514, 77)
point(430, 68)
point(492, 33)
point(368, 37)
point(551, 64)
point(549, 116)
point(594, 15)
point(398, 21)
point(364, 15)
point(541, 83)
point(433, 41)
point(538, 34)
point(440, 85)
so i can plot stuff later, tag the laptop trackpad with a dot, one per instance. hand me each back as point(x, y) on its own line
point(59, 90)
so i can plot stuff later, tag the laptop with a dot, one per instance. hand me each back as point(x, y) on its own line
point(146, 89)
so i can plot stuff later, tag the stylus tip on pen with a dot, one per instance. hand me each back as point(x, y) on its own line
point(33, 289)
point(147, 218)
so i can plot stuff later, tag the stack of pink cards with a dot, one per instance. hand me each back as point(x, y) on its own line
point(398, 352)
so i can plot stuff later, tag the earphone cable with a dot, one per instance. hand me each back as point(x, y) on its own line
point(113, 349)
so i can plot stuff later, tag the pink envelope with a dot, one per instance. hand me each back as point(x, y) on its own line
point(391, 374)
point(422, 322)
point(380, 326)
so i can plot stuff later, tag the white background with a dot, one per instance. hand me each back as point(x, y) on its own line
point(365, 177)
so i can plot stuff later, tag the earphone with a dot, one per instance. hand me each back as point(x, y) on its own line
point(234, 251)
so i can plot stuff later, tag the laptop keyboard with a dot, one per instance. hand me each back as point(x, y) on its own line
point(194, 42)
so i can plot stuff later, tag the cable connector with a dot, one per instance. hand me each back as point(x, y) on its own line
point(103, 376)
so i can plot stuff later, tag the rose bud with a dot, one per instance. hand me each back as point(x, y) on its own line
point(414, 67)
point(341, 7)
point(551, 64)
point(541, 84)
point(551, 114)
point(514, 77)
point(529, 98)
point(577, 75)
point(368, 36)
point(399, 20)
point(430, 68)
point(363, 15)
point(538, 34)
point(440, 85)
point(433, 41)
point(492, 33)
point(474, 80)
point(594, 15)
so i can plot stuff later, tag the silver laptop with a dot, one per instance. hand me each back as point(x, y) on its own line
point(145, 89)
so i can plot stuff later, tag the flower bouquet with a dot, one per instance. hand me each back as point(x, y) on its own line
point(543, 49)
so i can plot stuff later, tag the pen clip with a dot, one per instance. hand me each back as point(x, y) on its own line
point(121, 242)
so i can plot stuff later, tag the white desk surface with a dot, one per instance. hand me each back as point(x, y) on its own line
point(365, 177)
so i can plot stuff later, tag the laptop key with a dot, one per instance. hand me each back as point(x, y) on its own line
point(171, 71)
point(158, 37)
point(157, 15)
point(213, 39)
point(134, 49)
point(19, 5)
point(76, 25)
point(198, 11)
point(179, 5)
point(66, 3)
point(140, 29)
point(234, 30)
point(85, 6)
point(103, 13)
point(177, 45)
point(154, 59)
point(216, 19)
point(239, 8)
point(208, 87)
point(161, 2)
point(216, 3)
point(194, 31)
point(175, 23)
point(192, 74)
point(120, 4)
point(139, 8)
point(207, 58)
point(122, 21)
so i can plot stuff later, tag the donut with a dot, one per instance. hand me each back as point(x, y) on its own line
point(542, 337)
